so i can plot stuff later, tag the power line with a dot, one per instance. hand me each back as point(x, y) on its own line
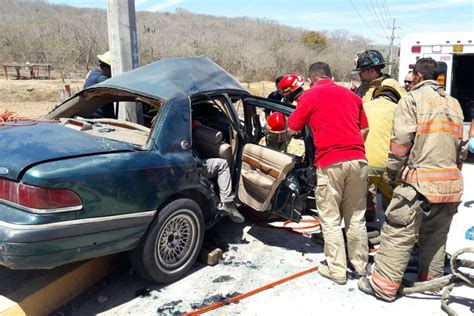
point(387, 10)
point(382, 13)
point(358, 13)
point(375, 17)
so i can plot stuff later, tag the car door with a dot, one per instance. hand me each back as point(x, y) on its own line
point(272, 180)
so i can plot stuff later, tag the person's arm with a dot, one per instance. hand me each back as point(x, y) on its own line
point(299, 117)
point(365, 133)
point(404, 129)
point(363, 122)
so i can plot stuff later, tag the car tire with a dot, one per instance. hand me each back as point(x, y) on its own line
point(172, 243)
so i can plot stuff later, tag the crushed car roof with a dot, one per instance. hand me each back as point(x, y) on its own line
point(172, 77)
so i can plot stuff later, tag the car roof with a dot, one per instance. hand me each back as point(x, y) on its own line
point(172, 77)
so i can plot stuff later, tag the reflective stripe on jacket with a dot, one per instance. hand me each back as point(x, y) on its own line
point(427, 145)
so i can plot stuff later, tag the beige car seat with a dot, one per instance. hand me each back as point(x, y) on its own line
point(209, 143)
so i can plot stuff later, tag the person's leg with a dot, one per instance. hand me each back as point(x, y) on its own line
point(433, 235)
point(371, 202)
point(328, 198)
point(353, 210)
point(402, 220)
point(220, 167)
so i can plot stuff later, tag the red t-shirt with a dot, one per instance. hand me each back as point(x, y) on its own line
point(335, 116)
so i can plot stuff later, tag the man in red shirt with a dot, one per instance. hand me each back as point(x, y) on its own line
point(339, 126)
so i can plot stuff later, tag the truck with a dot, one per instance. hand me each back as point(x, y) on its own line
point(454, 54)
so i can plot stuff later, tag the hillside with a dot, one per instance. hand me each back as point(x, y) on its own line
point(251, 49)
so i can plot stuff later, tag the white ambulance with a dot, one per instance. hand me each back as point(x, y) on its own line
point(454, 53)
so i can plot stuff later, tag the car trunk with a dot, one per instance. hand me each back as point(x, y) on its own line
point(24, 146)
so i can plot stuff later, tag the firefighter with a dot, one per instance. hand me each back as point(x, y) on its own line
point(276, 135)
point(380, 111)
point(427, 148)
point(369, 65)
point(291, 87)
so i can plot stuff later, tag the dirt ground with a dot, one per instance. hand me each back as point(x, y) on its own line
point(33, 98)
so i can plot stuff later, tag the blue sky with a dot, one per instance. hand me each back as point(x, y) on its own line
point(364, 17)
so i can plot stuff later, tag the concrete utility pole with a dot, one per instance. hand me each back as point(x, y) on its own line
point(392, 37)
point(123, 45)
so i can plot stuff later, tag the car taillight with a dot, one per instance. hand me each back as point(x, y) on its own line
point(37, 199)
point(416, 49)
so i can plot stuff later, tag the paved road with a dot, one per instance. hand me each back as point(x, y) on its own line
point(257, 256)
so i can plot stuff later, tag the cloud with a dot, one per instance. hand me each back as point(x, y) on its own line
point(163, 5)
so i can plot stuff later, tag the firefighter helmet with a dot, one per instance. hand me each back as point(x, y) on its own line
point(276, 122)
point(290, 83)
point(368, 59)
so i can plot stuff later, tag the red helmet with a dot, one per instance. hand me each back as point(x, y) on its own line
point(290, 83)
point(276, 122)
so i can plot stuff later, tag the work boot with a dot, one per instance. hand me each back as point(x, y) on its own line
point(364, 286)
point(324, 272)
point(229, 209)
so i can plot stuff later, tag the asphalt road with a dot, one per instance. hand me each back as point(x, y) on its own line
point(256, 256)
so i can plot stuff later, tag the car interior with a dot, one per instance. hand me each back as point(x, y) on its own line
point(263, 168)
point(77, 113)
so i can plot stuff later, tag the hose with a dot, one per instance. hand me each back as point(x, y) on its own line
point(239, 297)
point(448, 282)
point(9, 116)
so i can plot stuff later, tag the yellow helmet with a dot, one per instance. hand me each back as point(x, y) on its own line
point(105, 58)
point(389, 85)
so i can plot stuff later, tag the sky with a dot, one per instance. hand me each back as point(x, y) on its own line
point(370, 18)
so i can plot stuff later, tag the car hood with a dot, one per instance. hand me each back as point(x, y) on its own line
point(23, 146)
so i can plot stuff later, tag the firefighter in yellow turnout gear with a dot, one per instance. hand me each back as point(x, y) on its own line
point(380, 111)
point(379, 103)
point(427, 150)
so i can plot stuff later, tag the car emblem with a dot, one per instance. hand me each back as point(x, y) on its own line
point(3, 171)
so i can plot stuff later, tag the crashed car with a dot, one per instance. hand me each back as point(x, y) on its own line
point(74, 188)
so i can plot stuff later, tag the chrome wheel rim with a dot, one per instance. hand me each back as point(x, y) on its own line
point(176, 240)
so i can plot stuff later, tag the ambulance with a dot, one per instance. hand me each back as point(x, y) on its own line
point(454, 53)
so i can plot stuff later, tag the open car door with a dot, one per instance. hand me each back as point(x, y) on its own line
point(271, 180)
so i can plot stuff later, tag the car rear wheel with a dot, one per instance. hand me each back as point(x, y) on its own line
point(171, 244)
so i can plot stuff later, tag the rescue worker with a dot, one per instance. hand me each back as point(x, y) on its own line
point(97, 75)
point(427, 149)
point(276, 134)
point(276, 95)
point(408, 81)
point(369, 65)
point(380, 111)
point(291, 87)
point(339, 127)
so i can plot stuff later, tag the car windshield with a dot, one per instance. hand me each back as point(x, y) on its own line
point(84, 112)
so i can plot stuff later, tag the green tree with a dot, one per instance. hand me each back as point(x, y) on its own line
point(314, 40)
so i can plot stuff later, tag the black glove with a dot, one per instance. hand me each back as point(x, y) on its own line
point(389, 177)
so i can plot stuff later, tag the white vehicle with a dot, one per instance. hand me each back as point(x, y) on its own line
point(454, 53)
